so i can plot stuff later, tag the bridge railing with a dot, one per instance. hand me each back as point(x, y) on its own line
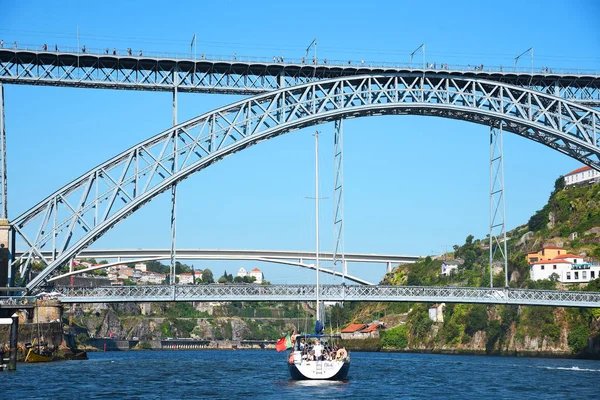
point(299, 61)
point(245, 292)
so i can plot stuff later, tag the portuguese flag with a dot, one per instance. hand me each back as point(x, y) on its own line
point(284, 343)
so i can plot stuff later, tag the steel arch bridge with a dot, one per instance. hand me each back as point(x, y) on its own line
point(79, 213)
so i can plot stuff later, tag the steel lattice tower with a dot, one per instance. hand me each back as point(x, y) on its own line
point(497, 207)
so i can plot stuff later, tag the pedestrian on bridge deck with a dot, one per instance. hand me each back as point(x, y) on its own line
point(83, 49)
point(140, 52)
point(1, 43)
point(114, 51)
point(106, 50)
point(15, 44)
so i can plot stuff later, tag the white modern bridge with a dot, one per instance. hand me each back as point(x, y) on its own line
point(293, 258)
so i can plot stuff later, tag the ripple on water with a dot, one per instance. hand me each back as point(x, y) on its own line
point(264, 374)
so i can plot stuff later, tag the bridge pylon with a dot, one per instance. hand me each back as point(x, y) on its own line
point(497, 236)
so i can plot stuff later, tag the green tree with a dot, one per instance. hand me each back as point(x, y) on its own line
point(207, 276)
point(578, 338)
point(476, 319)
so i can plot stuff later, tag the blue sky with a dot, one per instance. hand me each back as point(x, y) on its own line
point(414, 185)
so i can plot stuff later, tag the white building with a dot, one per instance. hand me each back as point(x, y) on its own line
point(186, 278)
point(569, 268)
point(141, 267)
point(257, 273)
point(242, 272)
point(582, 176)
point(449, 268)
point(436, 312)
point(153, 278)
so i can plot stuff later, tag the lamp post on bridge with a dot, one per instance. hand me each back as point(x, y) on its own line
point(314, 45)
point(530, 51)
point(421, 47)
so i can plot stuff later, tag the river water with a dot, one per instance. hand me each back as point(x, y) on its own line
point(263, 374)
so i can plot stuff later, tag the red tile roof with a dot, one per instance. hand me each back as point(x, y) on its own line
point(578, 170)
point(555, 261)
point(371, 328)
point(353, 328)
point(552, 247)
point(256, 270)
point(566, 256)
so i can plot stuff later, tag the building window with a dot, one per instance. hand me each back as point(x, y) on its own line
point(568, 276)
point(583, 274)
point(592, 274)
point(554, 267)
point(542, 267)
point(559, 252)
point(576, 274)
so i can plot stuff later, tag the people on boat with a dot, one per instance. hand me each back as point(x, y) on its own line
point(316, 350)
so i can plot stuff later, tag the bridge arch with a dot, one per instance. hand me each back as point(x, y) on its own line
point(79, 213)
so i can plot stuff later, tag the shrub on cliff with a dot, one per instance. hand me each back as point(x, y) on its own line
point(395, 338)
point(477, 319)
point(578, 338)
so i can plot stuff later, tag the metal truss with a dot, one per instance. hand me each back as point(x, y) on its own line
point(338, 199)
point(497, 206)
point(232, 76)
point(423, 294)
point(3, 191)
point(79, 213)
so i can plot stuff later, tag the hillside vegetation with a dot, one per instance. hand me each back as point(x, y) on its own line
point(502, 329)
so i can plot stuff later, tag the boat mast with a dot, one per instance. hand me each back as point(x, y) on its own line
point(317, 218)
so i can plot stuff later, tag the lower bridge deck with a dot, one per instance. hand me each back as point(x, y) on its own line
point(338, 293)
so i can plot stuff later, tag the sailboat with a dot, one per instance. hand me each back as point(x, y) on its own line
point(317, 356)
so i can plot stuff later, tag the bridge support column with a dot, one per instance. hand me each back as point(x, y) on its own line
point(338, 199)
point(389, 267)
point(3, 194)
point(172, 279)
point(4, 225)
point(497, 238)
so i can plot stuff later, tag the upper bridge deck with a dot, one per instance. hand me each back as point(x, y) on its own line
point(250, 75)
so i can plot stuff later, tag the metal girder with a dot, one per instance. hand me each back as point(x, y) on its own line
point(338, 198)
point(126, 182)
point(422, 294)
point(497, 205)
point(238, 77)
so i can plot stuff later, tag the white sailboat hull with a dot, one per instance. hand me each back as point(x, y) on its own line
point(321, 370)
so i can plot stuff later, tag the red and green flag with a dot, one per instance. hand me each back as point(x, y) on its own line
point(284, 343)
